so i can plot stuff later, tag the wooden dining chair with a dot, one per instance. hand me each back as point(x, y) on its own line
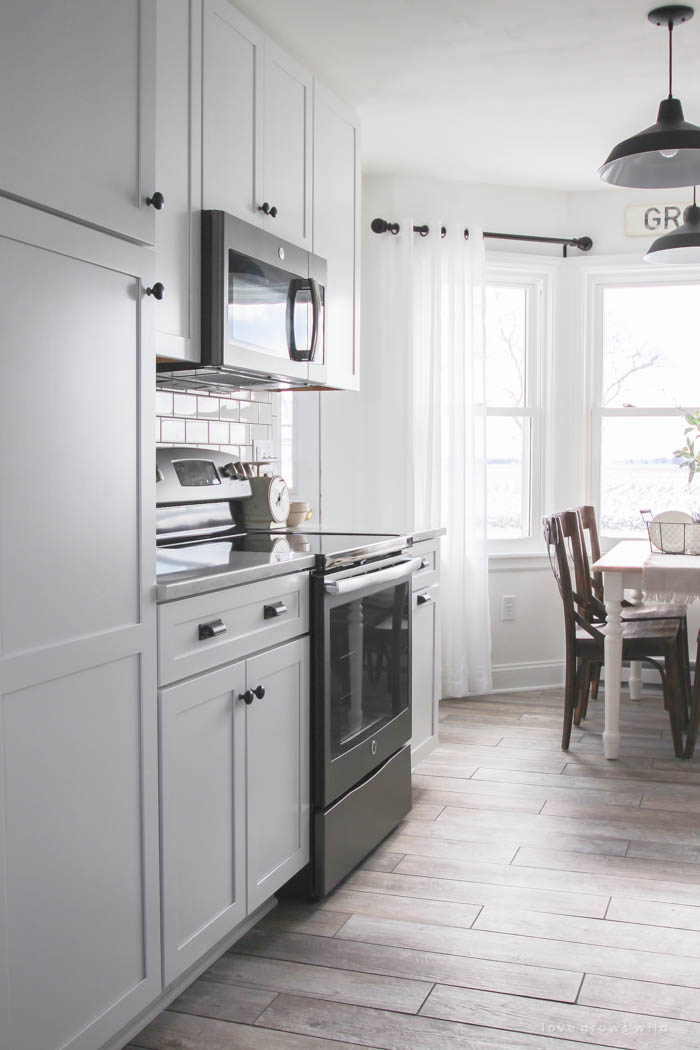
point(630, 611)
point(694, 719)
point(654, 642)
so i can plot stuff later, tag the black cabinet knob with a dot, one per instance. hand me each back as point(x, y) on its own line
point(265, 207)
point(259, 691)
point(248, 697)
point(156, 201)
point(157, 291)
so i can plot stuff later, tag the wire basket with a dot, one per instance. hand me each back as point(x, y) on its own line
point(672, 537)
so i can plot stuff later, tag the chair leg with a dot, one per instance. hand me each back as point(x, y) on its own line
point(673, 694)
point(694, 721)
point(584, 686)
point(595, 681)
point(570, 694)
point(685, 665)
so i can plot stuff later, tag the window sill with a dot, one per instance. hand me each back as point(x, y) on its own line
point(518, 561)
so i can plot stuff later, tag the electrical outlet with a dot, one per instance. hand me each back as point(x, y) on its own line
point(508, 607)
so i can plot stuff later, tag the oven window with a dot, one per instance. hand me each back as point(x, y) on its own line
point(369, 666)
point(268, 309)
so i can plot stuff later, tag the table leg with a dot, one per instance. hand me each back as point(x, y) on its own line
point(635, 680)
point(613, 664)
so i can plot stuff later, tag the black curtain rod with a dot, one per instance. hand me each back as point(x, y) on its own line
point(583, 243)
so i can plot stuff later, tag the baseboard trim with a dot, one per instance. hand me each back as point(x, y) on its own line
point(541, 674)
point(423, 750)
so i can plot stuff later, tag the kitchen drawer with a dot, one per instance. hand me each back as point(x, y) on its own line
point(248, 621)
point(429, 573)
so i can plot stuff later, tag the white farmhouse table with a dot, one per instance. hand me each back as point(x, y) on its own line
point(622, 568)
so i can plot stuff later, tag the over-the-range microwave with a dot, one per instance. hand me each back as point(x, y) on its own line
point(263, 312)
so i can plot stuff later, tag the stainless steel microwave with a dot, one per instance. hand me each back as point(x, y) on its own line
point(263, 310)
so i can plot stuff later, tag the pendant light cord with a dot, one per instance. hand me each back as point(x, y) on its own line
point(670, 59)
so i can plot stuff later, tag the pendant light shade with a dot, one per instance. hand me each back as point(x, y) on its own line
point(667, 153)
point(681, 245)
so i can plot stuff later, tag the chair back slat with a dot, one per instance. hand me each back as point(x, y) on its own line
point(589, 528)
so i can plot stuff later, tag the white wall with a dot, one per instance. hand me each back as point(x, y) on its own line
point(364, 480)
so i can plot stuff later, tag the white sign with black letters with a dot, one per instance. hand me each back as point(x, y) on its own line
point(642, 220)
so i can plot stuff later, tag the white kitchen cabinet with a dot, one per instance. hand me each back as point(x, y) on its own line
point(425, 681)
point(78, 120)
point(202, 742)
point(232, 85)
point(256, 126)
point(179, 176)
point(277, 768)
point(286, 137)
point(234, 795)
point(79, 905)
point(336, 232)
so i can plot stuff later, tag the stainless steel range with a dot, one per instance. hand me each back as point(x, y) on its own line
point(361, 646)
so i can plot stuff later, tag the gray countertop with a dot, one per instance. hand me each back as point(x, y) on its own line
point(425, 534)
point(179, 574)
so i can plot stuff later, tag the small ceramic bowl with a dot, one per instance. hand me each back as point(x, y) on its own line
point(298, 513)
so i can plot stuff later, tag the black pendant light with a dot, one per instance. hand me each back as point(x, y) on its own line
point(681, 245)
point(667, 153)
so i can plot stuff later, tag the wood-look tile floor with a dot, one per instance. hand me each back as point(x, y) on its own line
point(532, 900)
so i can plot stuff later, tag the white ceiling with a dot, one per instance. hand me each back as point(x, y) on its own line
point(512, 92)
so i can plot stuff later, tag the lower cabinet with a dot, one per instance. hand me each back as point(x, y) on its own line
point(234, 795)
point(426, 671)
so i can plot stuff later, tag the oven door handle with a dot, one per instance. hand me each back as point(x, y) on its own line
point(371, 579)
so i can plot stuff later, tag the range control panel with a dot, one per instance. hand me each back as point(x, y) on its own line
point(197, 475)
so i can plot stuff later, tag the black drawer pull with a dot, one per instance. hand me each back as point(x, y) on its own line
point(211, 629)
point(276, 609)
point(423, 599)
point(157, 291)
point(248, 697)
point(259, 691)
point(425, 563)
point(156, 201)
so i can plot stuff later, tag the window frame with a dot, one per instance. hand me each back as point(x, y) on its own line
point(538, 276)
point(615, 275)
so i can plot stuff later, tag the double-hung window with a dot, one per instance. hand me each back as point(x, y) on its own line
point(517, 336)
point(645, 341)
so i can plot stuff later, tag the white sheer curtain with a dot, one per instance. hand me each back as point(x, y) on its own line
point(425, 300)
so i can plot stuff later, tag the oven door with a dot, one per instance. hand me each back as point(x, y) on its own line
point(365, 672)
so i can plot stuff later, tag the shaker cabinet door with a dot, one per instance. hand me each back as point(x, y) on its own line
point(79, 868)
point(426, 665)
point(287, 154)
point(178, 176)
point(277, 761)
point(78, 123)
point(202, 728)
point(336, 207)
point(232, 85)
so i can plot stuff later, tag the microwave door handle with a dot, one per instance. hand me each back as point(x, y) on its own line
point(316, 302)
point(295, 286)
point(371, 579)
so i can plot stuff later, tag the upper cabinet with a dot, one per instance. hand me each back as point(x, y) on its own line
point(179, 176)
point(256, 126)
point(81, 143)
point(336, 211)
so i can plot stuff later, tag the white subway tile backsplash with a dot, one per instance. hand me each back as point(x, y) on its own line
point(218, 432)
point(208, 407)
point(248, 412)
point(259, 433)
point(263, 396)
point(239, 433)
point(172, 430)
point(265, 413)
point(185, 405)
point(164, 403)
point(229, 410)
point(196, 432)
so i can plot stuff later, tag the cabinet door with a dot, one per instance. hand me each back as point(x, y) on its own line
point(78, 123)
point(426, 666)
point(232, 87)
point(178, 176)
point(287, 156)
point(202, 727)
point(277, 763)
point(79, 912)
point(336, 208)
